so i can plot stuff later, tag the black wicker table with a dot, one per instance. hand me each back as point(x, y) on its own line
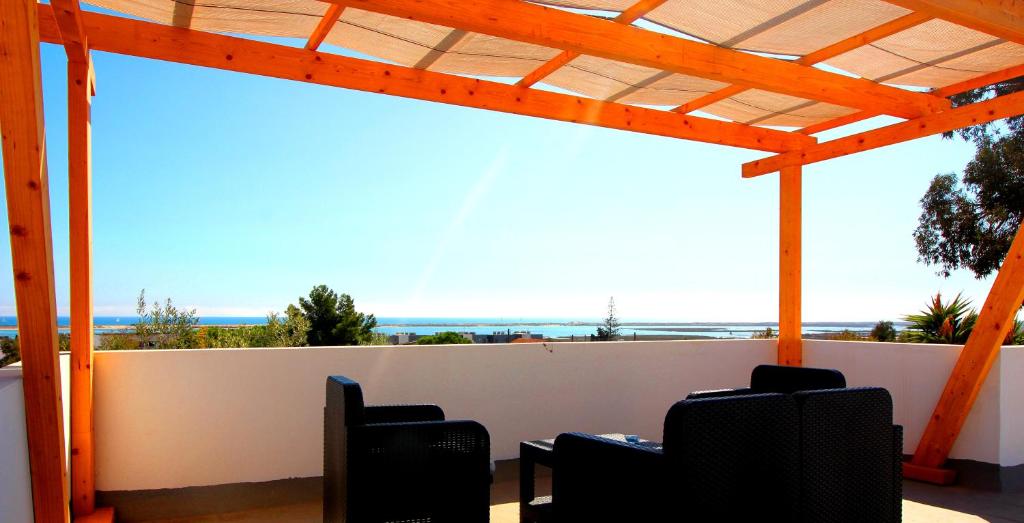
point(534, 509)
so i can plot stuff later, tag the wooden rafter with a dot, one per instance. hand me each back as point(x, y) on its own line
point(588, 35)
point(837, 122)
point(949, 90)
point(330, 18)
point(965, 116)
point(28, 212)
point(975, 361)
point(627, 17)
point(1001, 18)
point(69, 20)
point(790, 351)
point(136, 38)
point(871, 35)
point(981, 81)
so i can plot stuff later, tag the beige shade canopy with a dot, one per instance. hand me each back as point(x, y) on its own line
point(933, 54)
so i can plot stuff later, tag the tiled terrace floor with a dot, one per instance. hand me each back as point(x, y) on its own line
point(921, 504)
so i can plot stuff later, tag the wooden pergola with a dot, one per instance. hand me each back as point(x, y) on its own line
point(24, 24)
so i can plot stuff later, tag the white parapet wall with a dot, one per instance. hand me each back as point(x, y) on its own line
point(916, 374)
point(15, 479)
point(169, 419)
point(15, 482)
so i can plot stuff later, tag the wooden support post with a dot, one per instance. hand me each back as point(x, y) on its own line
point(80, 232)
point(976, 358)
point(28, 211)
point(790, 345)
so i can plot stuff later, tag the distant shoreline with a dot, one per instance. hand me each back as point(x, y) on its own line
point(663, 326)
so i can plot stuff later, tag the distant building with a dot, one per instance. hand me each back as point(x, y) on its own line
point(406, 338)
point(403, 338)
point(505, 337)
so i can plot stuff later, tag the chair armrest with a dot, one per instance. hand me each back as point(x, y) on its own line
point(439, 467)
point(402, 413)
point(597, 479)
point(897, 473)
point(720, 393)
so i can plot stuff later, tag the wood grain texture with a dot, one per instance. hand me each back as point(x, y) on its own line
point(790, 257)
point(83, 492)
point(323, 28)
point(28, 212)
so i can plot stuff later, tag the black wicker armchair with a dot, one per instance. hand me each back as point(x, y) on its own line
point(813, 456)
point(784, 379)
point(401, 463)
point(851, 456)
point(723, 459)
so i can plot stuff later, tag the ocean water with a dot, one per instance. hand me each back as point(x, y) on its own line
point(549, 327)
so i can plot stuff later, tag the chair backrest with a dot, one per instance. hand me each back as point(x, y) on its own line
point(734, 458)
point(787, 380)
point(847, 455)
point(344, 408)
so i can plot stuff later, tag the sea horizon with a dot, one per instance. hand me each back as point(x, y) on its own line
point(548, 327)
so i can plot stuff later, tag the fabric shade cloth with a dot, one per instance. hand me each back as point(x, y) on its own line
point(931, 55)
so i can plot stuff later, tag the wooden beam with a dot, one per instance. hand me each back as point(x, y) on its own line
point(938, 476)
point(102, 515)
point(965, 116)
point(790, 231)
point(710, 98)
point(136, 38)
point(589, 35)
point(627, 17)
point(1000, 18)
point(69, 20)
point(981, 81)
point(324, 27)
point(83, 490)
point(950, 90)
point(870, 36)
point(994, 320)
point(28, 213)
point(843, 46)
point(837, 122)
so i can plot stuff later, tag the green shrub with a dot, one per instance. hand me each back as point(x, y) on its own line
point(443, 338)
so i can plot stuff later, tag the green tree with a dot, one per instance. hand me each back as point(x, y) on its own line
point(950, 322)
point(845, 335)
point(767, 334)
point(883, 331)
point(165, 326)
point(119, 341)
point(287, 331)
point(9, 352)
point(63, 342)
point(443, 338)
point(969, 221)
point(291, 331)
point(609, 329)
point(333, 319)
point(377, 338)
point(10, 348)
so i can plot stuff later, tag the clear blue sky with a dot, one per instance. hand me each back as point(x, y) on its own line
point(236, 194)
